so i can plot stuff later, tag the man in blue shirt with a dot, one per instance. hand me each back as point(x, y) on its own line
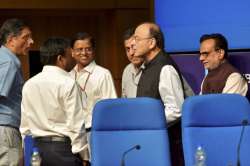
point(15, 39)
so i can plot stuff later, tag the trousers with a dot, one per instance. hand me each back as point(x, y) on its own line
point(10, 146)
point(57, 153)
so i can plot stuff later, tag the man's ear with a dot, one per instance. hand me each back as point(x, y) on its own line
point(72, 54)
point(9, 39)
point(153, 43)
point(221, 54)
point(59, 60)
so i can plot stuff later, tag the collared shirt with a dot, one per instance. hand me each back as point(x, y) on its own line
point(11, 82)
point(235, 84)
point(130, 80)
point(97, 83)
point(52, 106)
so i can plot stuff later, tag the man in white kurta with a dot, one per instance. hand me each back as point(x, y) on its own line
point(95, 81)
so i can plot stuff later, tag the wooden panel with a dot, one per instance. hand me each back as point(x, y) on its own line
point(136, 4)
point(57, 4)
point(107, 26)
point(73, 4)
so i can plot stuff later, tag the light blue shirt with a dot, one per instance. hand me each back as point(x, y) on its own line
point(11, 82)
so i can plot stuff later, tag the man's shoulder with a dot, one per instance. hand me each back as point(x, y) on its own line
point(236, 76)
point(7, 64)
point(54, 78)
point(127, 72)
point(128, 68)
point(101, 70)
point(6, 59)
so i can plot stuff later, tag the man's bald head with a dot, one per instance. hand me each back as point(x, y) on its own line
point(154, 31)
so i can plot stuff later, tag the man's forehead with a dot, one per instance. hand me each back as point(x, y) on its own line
point(210, 43)
point(82, 42)
point(128, 41)
point(25, 30)
point(142, 29)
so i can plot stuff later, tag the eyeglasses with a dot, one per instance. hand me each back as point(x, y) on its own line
point(87, 50)
point(206, 54)
point(137, 38)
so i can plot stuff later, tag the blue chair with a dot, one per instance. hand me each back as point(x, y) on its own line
point(28, 147)
point(215, 122)
point(129, 132)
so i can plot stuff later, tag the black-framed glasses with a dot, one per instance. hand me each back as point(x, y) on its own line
point(207, 53)
point(137, 38)
point(87, 50)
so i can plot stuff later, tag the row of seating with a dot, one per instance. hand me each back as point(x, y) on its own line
point(133, 132)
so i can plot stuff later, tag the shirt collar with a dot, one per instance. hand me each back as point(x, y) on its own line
point(89, 68)
point(12, 55)
point(57, 69)
point(135, 71)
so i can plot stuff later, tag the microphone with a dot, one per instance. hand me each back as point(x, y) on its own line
point(137, 147)
point(244, 123)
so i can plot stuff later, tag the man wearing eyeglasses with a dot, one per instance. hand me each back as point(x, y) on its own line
point(222, 77)
point(161, 79)
point(95, 82)
point(132, 71)
point(15, 40)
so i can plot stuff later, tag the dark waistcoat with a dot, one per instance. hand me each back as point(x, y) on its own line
point(216, 79)
point(150, 77)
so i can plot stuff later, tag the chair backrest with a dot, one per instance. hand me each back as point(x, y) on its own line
point(215, 122)
point(120, 124)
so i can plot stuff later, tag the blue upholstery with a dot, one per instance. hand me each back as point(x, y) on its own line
point(215, 122)
point(119, 124)
point(28, 147)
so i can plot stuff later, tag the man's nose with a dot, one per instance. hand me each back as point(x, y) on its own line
point(31, 41)
point(132, 51)
point(201, 58)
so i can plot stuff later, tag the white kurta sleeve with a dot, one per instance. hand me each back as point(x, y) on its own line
point(171, 92)
point(107, 87)
point(236, 84)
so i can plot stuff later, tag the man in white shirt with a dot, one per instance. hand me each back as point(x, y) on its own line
point(222, 77)
point(52, 108)
point(96, 82)
point(132, 71)
point(161, 79)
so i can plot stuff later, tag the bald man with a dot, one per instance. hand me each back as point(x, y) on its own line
point(161, 79)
